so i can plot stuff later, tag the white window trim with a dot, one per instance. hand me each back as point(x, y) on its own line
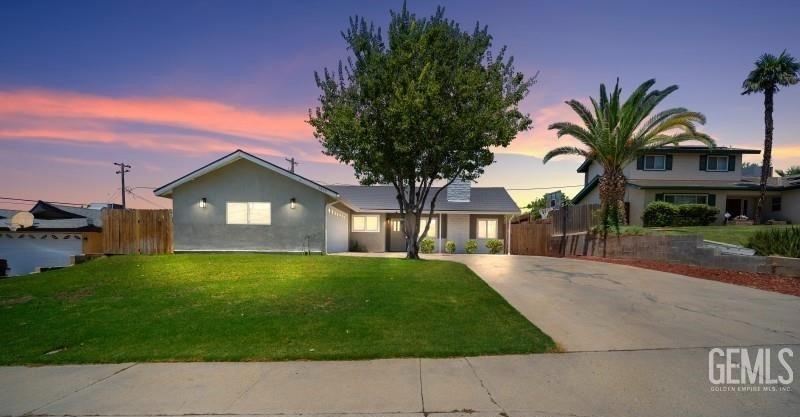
point(247, 213)
point(433, 229)
point(717, 157)
point(365, 216)
point(664, 157)
point(478, 228)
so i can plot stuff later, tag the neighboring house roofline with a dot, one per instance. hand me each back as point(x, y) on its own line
point(720, 150)
point(47, 211)
point(166, 190)
point(586, 189)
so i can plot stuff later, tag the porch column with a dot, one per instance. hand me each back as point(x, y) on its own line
point(439, 232)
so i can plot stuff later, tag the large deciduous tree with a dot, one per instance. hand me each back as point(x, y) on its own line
point(771, 73)
point(615, 133)
point(423, 107)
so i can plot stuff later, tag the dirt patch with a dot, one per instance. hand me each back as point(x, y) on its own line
point(767, 282)
point(16, 300)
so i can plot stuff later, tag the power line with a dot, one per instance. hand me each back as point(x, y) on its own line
point(36, 201)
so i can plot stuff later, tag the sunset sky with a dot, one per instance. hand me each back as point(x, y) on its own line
point(170, 86)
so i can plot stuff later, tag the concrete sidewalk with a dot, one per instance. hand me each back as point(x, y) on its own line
point(672, 382)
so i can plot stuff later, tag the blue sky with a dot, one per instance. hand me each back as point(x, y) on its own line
point(169, 86)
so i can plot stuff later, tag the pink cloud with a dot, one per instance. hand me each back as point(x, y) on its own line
point(204, 115)
point(538, 141)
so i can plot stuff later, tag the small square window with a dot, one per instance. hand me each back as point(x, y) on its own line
point(366, 223)
point(717, 163)
point(487, 229)
point(655, 162)
point(432, 230)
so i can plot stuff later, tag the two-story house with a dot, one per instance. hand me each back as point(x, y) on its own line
point(696, 174)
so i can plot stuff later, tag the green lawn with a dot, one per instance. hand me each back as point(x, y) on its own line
point(248, 307)
point(736, 235)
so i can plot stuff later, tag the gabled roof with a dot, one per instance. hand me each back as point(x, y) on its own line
point(586, 189)
point(383, 198)
point(720, 150)
point(166, 190)
point(58, 217)
point(47, 211)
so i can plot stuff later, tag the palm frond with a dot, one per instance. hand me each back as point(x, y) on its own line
point(564, 150)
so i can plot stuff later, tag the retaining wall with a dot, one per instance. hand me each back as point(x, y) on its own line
point(687, 250)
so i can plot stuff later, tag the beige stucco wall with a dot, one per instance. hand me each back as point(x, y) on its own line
point(685, 167)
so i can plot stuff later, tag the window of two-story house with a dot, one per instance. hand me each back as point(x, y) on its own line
point(776, 204)
point(655, 162)
point(717, 163)
point(686, 198)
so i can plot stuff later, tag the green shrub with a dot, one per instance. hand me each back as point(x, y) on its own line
point(356, 247)
point(495, 246)
point(659, 214)
point(471, 246)
point(450, 247)
point(634, 231)
point(426, 246)
point(778, 241)
point(695, 215)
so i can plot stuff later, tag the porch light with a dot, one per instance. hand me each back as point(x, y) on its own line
point(292, 203)
point(203, 202)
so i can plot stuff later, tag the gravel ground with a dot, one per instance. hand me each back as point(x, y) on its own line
point(767, 282)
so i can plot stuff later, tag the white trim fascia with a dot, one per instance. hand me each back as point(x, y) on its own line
point(231, 158)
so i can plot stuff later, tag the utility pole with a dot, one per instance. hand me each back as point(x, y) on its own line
point(292, 163)
point(123, 168)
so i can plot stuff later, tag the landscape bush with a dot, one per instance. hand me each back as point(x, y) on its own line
point(659, 214)
point(662, 214)
point(695, 215)
point(450, 247)
point(427, 245)
point(471, 246)
point(495, 246)
point(778, 241)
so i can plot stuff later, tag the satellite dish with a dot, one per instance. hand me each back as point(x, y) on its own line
point(21, 220)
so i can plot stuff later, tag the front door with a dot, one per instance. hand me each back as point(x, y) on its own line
point(397, 240)
point(734, 206)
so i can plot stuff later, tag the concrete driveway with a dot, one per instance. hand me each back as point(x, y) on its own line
point(594, 306)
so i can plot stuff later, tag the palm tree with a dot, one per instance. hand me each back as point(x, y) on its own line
point(771, 73)
point(789, 172)
point(614, 134)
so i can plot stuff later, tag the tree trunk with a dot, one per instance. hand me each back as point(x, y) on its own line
point(612, 194)
point(766, 163)
point(411, 224)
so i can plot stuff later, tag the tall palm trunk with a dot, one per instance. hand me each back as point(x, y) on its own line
point(766, 163)
point(612, 207)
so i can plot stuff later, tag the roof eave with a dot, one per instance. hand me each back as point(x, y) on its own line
point(166, 190)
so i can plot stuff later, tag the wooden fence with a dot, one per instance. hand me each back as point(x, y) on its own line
point(137, 231)
point(579, 219)
point(531, 238)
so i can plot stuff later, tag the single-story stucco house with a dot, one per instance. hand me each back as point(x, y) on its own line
point(243, 203)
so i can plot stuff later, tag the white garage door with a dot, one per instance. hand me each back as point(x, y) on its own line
point(336, 230)
point(27, 251)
